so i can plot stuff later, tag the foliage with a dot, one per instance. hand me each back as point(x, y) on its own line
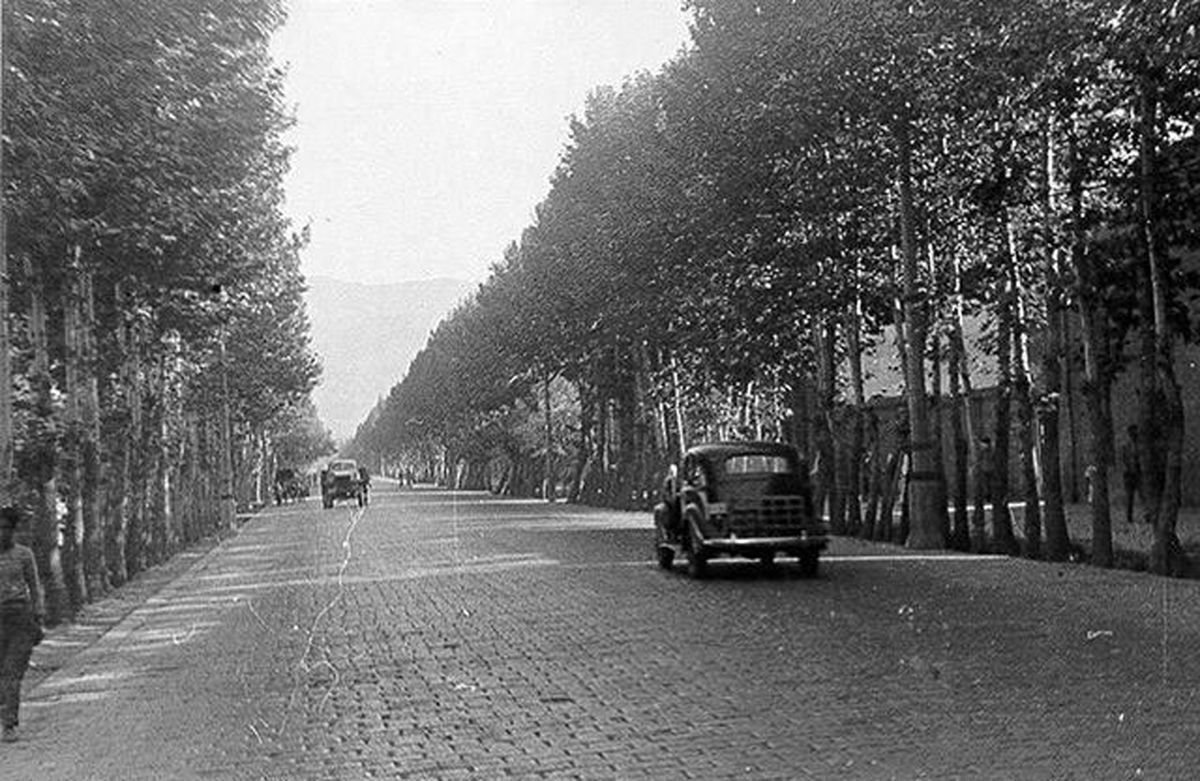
point(144, 164)
point(707, 221)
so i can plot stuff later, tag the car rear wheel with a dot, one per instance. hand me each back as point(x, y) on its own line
point(810, 561)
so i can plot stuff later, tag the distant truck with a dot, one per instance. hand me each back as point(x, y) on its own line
point(289, 486)
point(342, 480)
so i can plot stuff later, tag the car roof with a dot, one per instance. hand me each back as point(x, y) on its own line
point(720, 450)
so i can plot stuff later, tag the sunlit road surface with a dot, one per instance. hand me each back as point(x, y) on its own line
point(459, 636)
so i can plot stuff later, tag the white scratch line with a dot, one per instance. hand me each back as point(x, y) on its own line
point(303, 664)
point(178, 639)
point(918, 557)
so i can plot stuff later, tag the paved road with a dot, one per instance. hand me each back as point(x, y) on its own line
point(456, 636)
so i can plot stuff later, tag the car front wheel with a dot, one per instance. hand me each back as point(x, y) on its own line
point(697, 558)
point(663, 552)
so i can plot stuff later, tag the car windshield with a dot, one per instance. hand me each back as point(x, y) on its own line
point(757, 464)
point(342, 466)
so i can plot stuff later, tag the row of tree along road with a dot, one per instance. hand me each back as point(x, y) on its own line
point(725, 239)
point(160, 365)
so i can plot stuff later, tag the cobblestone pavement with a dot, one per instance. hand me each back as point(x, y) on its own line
point(457, 636)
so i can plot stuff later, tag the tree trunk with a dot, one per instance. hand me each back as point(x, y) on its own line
point(47, 536)
point(826, 498)
point(7, 466)
point(601, 478)
point(7, 471)
point(120, 560)
point(73, 553)
point(91, 495)
point(1069, 406)
point(1002, 529)
point(548, 481)
point(854, 468)
point(1023, 390)
point(801, 428)
point(583, 449)
point(1058, 542)
point(965, 418)
point(886, 530)
point(935, 382)
point(874, 478)
point(1097, 374)
point(926, 503)
point(126, 342)
point(1162, 399)
point(677, 401)
point(960, 535)
point(902, 464)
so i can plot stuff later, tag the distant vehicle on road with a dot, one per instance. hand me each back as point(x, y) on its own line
point(741, 499)
point(289, 486)
point(364, 477)
point(341, 480)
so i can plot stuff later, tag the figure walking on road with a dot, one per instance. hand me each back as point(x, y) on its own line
point(22, 610)
point(1131, 470)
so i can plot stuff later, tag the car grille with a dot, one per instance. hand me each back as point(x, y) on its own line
point(773, 516)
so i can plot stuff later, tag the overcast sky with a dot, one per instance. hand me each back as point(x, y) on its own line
point(428, 129)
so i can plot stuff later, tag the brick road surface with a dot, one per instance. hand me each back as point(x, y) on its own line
point(458, 636)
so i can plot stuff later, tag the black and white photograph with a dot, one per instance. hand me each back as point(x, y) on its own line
point(629, 390)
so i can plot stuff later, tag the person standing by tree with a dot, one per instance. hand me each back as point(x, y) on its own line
point(22, 611)
point(1131, 470)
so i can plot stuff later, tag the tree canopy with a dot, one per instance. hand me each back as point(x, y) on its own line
point(721, 236)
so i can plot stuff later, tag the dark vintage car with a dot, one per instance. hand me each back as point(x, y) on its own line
point(341, 480)
point(744, 499)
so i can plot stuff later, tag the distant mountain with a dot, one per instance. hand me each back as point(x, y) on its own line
point(366, 336)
